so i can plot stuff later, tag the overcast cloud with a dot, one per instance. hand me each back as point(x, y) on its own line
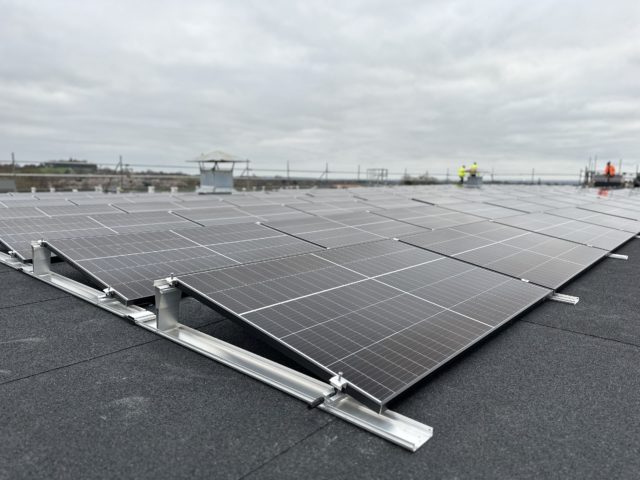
point(422, 85)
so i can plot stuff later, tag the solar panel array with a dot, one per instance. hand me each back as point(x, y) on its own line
point(320, 274)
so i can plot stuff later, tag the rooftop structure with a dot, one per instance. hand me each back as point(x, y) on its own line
point(216, 171)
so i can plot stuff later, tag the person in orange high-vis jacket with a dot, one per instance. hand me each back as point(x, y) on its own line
point(609, 170)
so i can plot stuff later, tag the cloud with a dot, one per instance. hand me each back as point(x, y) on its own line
point(421, 85)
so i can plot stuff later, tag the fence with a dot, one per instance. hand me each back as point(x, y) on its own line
point(141, 179)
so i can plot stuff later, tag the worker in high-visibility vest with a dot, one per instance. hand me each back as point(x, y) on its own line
point(609, 170)
point(462, 171)
point(473, 170)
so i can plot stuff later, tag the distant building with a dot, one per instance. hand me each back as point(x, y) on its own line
point(72, 166)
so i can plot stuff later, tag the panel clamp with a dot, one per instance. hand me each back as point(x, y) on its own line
point(338, 382)
point(618, 256)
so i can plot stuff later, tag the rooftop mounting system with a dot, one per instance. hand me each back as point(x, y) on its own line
point(216, 171)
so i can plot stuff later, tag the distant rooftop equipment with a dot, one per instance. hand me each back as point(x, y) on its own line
point(216, 171)
point(615, 181)
point(473, 181)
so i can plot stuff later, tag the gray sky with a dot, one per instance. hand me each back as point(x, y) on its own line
point(422, 85)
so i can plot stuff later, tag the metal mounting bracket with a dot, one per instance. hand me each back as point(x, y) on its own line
point(618, 256)
point(562, 298)
point(41, 259)
point(389, 425)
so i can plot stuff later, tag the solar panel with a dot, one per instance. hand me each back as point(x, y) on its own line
point(632, 226)
point(387, 201)
point(548, 202)
point(520, 205)
point(147, 206)
point(219, 215)
point(574, 200)
point(429, 216)
point(610, 209)
point(436, 199)
point(324, 232)
point(572, 230)
point(57, 211)
point(378, 225)
point(385, 330)
point(30, 202)
point(262, 199)
point(544, 260)
point(324, 207)
point(266, 213)
point(129, 263)
point(483, 210)
point(18, 233)
point(102, 199)
point(20, 212)
point(141, 222)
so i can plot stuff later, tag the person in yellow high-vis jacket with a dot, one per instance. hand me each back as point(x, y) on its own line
point(461, 173)
point(473, 170)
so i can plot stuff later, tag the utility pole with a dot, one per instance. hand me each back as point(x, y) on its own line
point(358, 173)
point(287, 172)
point(121, 173)
point(13, 171)
point(326, 172)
